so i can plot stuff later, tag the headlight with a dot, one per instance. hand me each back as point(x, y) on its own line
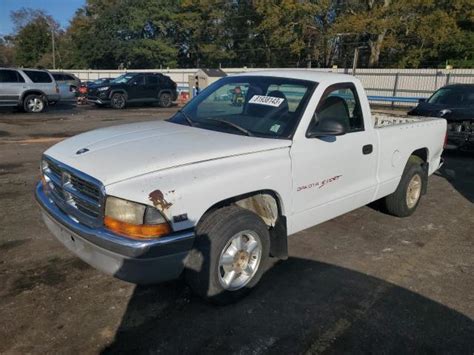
point(105, 88)
point(134, 219)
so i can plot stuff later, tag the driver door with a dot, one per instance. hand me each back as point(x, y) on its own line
point(333, 174)
point(137, 90)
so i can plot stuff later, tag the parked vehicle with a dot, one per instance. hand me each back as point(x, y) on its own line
point(134, 88)
point(67, 78)
point(29, 89)
point(455, 103)
point(214, 191)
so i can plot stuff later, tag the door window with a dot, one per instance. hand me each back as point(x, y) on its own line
point(10, 76)
point(139, 80)
point(341, 104)
point(38, 76)
point(152, 80)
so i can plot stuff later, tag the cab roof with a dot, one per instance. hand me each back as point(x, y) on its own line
point(304, 74)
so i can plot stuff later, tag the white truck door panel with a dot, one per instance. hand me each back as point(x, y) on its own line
point(334, 174)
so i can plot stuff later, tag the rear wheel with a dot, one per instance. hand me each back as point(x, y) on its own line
point(118, 101)
point(34, 103)
point(404, 201)
point(165, 99)
point(230, 254)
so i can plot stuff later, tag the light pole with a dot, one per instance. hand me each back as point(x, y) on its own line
point(52, 42)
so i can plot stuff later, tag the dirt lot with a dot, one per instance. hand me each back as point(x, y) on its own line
point(365, 282)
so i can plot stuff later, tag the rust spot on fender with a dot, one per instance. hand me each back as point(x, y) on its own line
point(158, 200)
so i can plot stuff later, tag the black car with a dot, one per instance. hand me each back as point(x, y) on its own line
point(455, 103)
point(134, 88)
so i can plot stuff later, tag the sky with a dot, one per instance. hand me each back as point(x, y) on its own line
point(61, 10)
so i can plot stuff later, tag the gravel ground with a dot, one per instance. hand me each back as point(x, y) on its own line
point(365, 282)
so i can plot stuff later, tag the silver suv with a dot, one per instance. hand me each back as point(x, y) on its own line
point(30, 89)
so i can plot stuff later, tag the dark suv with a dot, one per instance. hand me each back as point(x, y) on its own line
point(134, 88)
point(455, 103)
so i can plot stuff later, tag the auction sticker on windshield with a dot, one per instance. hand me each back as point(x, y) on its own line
point(266, 100)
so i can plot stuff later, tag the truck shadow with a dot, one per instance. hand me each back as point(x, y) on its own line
point(300, 306)
point(459, 171)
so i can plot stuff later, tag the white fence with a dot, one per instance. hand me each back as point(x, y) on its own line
point(379, 83)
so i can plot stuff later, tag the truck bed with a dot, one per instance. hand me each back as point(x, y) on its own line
point(384, 119)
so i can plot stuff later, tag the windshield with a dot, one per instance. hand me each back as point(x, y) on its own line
point(261, 106)
point(122, 78)
point(454, 96)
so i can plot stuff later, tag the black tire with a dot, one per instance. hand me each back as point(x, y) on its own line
point(34, 103)
point(397, 203)
point(118, 101)
point(165, 100)
point(212, 236)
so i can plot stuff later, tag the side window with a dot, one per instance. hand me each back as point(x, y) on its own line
point(38, 76)
point(57, 77)
point(341, 104)
point(139, 80)
point(152, 80)
point(9, 76)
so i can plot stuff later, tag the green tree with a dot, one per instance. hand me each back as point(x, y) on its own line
point(294, 33)
point(404, 33)
point(33, 39)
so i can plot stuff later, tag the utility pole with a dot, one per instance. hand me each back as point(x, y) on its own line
point(54, 54)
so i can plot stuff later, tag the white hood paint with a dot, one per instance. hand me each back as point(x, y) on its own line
point(122, 152)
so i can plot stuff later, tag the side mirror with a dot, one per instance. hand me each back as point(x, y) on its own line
point(422, 100)
point(328, 127)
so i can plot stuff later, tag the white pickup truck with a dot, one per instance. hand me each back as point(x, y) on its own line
point(215, 190)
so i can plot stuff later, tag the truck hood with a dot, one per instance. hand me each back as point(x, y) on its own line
point(117, 153)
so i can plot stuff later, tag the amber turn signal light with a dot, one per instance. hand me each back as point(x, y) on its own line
point(141, 231)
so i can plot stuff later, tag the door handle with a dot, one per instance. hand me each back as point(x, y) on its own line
point(367, 149)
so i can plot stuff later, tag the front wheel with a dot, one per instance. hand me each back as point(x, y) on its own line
point(404, 201)
point(231, 250)
point(34, 104)
point(118, 101)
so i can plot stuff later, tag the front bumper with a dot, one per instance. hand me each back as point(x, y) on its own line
point(136, 261)
point(98, 100)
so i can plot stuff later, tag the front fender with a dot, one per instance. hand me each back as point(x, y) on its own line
point(183, 194)
point(120, 91)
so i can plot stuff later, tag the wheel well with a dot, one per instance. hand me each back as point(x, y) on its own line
point(120, 91)
point(31, 92)
point(163, 91)
point(267, 205)
point(421, 153)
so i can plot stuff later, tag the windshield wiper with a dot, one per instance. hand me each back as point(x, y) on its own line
point(231, 124)
point(188, 119)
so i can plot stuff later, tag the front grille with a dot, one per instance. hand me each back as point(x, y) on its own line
point(74, 192)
